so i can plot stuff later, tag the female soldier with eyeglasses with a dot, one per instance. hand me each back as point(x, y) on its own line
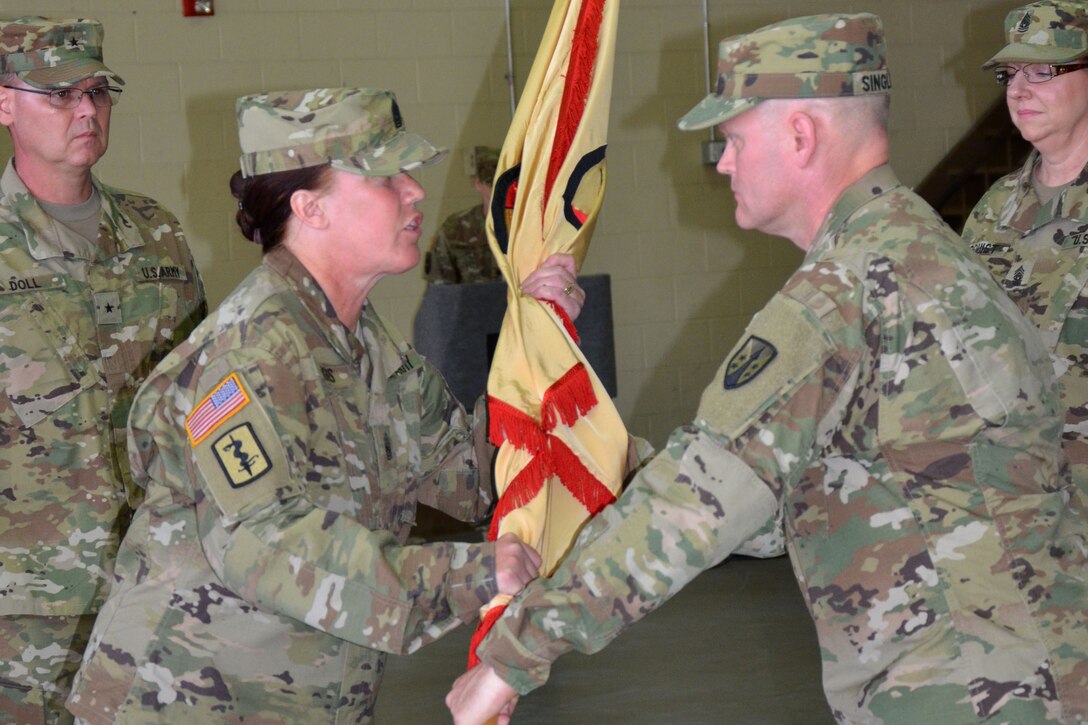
point(1032, 226)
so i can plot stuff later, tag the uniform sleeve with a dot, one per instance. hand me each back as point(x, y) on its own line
point(718, 482)
point(268, 541)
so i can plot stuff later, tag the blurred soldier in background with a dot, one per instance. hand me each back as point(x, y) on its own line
point(459, 253)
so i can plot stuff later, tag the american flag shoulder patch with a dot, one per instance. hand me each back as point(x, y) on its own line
point(223, 402)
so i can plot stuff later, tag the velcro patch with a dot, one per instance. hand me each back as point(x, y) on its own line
point(224, 401)
point(873, 81)
point(748, 361)
point(107, 308)
point(155, 272)
point(31, 284)
point(1073, 238)
point(241, 455)
point(984, 247)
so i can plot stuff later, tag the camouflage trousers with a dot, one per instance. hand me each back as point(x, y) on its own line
point(39, 656)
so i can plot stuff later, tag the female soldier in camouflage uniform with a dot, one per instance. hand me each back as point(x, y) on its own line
point(1031, 227)
point(284, 448)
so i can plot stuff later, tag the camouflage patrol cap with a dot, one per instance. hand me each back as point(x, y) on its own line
point(818, 56)
point(487, 160)
point(359, 130)
point(53, 53)
point(1051, 31)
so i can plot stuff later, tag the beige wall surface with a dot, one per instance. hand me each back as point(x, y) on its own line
point(685, 280)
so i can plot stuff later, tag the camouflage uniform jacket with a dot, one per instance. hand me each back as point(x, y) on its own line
point(460, 253)
point(265, 574)
point(81, 325)
point(1039, 253)
point(894, 408)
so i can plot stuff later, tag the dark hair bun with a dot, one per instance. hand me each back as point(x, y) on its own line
point(264, 201)
point(239, 185)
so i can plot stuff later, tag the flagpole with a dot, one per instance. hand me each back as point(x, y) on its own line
point(511, 89)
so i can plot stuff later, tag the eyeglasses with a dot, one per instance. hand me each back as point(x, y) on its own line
point(1034, 73)
point(101, 96)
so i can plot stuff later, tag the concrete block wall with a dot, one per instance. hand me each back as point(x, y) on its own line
point(685, 279)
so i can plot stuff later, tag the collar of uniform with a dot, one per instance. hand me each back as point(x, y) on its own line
point(397, 355)
point(1023, 211)
point(47, 238)
point(1073, 203)
point(371, 345)
point(314, 299)
point(124, 232)
point(876, 182)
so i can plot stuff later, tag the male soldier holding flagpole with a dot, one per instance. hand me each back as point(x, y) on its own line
point(889, 405)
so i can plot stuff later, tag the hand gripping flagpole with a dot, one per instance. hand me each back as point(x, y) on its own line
point(562, 444)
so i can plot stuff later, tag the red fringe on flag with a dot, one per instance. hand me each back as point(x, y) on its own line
point(523, 489)
point(559, 461)
point(583, 57)
point(482, 629)
point(507, 423)
point(577, 479)
point(568, 399)
point(565, 319)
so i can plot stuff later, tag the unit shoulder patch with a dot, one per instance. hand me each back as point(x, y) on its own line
point(748, 361)
point(241, 455)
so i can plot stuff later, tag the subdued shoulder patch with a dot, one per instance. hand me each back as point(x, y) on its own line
point(241, 455)
point(217, 408)
point(759, 372)
point(748, 361)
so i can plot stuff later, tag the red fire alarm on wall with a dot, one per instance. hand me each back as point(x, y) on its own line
point(197, 8)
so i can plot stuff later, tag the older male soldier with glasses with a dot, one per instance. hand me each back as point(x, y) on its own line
point(1031, 227)
point(96, 286)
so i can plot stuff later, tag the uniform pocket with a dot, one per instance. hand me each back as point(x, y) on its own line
point(340, 454)
point(136, 319)
point(42, 365)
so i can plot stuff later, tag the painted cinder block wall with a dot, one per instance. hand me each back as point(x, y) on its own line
point(685, 280)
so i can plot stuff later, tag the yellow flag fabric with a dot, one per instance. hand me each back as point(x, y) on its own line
point(562, 444)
